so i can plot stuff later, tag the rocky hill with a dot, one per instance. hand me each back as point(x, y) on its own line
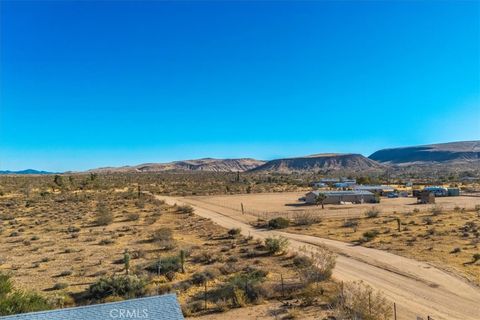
point(206, 164)
point(443, 153)
point(327, 161)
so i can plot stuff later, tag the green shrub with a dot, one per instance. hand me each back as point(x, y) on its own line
point(372, 213)
point(166, 264)
point(103, 215)
point(276, 245)
point(60, 286)
point(15, 301)
point(133, 216)
point(370, 235)
point(122, 286)
point(278, 223)
point(185, 209)
point(234, 232)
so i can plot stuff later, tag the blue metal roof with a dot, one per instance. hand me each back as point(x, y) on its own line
point(163, 307)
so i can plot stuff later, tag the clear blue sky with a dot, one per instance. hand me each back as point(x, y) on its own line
point(87, 84)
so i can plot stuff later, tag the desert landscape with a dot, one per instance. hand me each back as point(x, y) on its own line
point(81, 239)
point(239, 160)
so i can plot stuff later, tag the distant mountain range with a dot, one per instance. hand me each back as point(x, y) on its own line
point(27, 171)
point(206, 164)
point(443, 153)
point(463, 154)
point(327, 161)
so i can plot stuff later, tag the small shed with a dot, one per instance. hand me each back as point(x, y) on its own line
point(453, 192)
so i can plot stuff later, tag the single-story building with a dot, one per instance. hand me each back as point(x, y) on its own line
point(337, 197)
point(380, 189)
point(163, 307)
point(437, 191)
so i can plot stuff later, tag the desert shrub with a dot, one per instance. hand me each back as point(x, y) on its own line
point(23, 301)
point(372, 213)
point(60, 286)
point(241, 288)
point(193, 307)
point(16, 301)
point(103, 215)
point(456, 250)
point(140, 203)
point(306, 219)
point(278, 223)
point(475, 257)
point(317, 264)
point(302, 261)
point(73, 229)
point(276, 245)
point(122, 286)
point(234, 232)
point(65, 273)
point(359, 301)
point(199, 278)
point(133, 216)
point(164, 238)
point(369, 235)
point(104, 242)
point(436, 210)
point(185, 209)
point(229, 268)
point(428, 220)
point(206, 257)
point(165, 265)
point(350, 223)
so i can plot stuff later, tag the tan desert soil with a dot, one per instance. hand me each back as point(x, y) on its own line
point(417, 288)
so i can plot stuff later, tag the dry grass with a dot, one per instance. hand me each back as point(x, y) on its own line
point(54, 243)
point(448, 240)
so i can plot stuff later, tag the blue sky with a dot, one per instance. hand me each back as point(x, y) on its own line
point(87, 84)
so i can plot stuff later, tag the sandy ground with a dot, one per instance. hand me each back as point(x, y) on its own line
point(417, 288)
point(266, 205)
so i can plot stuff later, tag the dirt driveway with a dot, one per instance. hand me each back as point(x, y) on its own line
point(417, 288)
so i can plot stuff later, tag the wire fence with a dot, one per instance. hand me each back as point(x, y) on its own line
point(340, 211)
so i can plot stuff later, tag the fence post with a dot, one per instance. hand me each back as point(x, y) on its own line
point(283, 286)
point(205, 295)
point(394, 311)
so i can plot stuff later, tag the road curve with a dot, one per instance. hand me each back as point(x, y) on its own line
point(417, 288)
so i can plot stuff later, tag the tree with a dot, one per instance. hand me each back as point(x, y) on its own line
point(58, 180)
point(320, 199)
point(182, 260)
point(126, 261)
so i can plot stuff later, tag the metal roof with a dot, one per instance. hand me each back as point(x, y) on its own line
point(343, 193)
point(362, 187)
point(163, 307)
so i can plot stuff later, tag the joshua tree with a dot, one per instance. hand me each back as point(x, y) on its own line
point(320, 199)
point(126, 261)
point(182, 260)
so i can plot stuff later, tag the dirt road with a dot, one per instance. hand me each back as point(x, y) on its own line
point(417, 288)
